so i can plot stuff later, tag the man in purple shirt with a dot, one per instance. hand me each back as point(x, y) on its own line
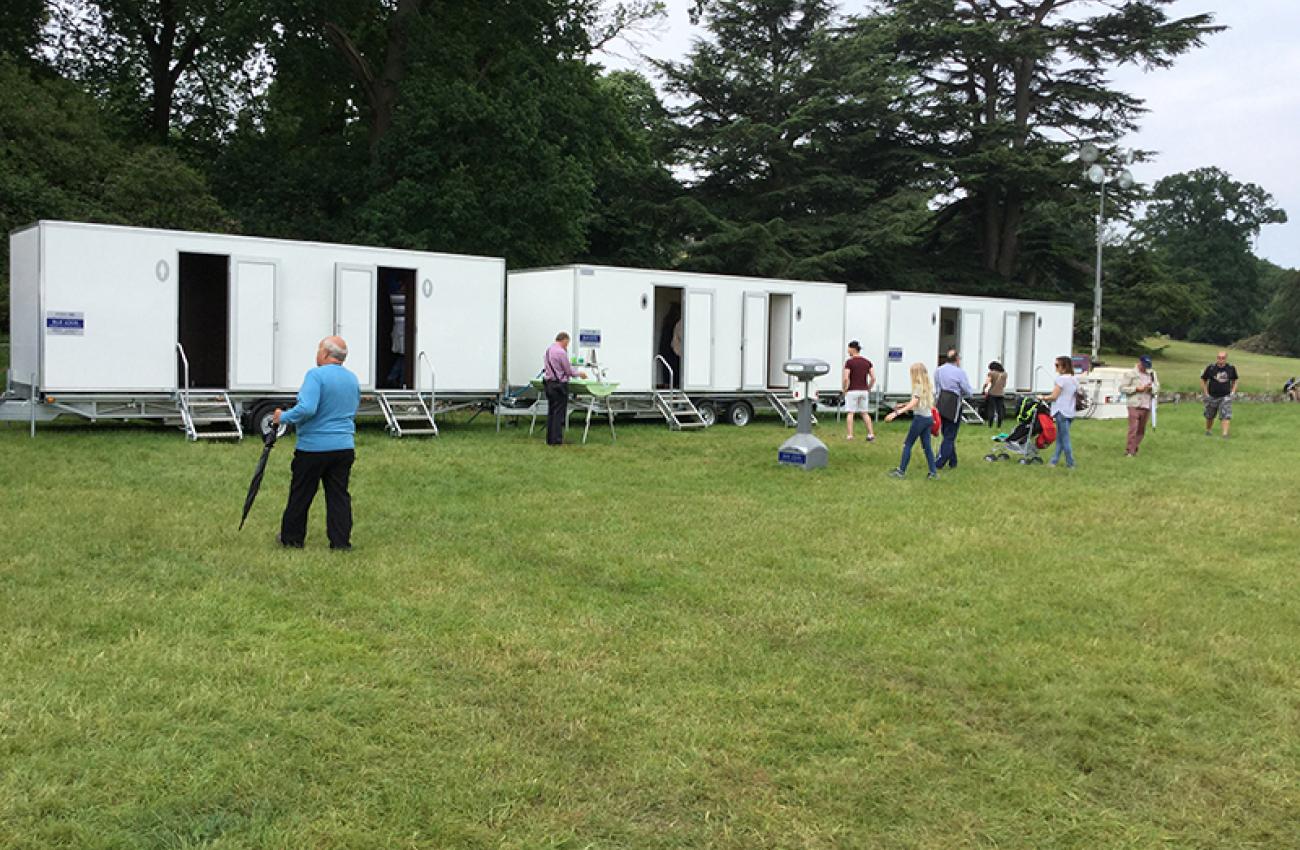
point(556, 372)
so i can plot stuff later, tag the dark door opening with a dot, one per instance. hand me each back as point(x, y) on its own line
point(949, 331)
point(668, 336)
point(395, 354)
point(203, 319)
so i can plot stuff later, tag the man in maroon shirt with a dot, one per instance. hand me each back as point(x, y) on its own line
point(859, 378)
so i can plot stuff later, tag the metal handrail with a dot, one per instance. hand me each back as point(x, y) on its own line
point(672, 384)
point(433, 383)
point(186, 362)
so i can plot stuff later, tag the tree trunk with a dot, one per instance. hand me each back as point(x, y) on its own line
point(380, 89)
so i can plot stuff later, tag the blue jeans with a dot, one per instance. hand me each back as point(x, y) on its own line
point(948, 448)
point(920, 428)
point(1063, 441)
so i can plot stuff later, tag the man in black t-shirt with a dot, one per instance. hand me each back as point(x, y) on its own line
point(1218, 386)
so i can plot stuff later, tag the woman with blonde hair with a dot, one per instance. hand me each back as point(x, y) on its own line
point(921, 405)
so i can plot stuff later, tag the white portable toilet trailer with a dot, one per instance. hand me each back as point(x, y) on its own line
point(736, 334)
point(121, 323)
point(897, 329)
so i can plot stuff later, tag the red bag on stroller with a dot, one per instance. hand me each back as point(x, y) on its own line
point(1046, 431)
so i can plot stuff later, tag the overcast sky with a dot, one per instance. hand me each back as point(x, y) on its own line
point(1235, 103)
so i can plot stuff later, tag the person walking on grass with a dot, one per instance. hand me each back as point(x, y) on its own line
point(995, 390)
point(556, 372)
point(1139, 385)
point(1064, 399)
point(1218, 386)
point(859, 378)
point(921, 407)
point(954, 387)
point(325, 420)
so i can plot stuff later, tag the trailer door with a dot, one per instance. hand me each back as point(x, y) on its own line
point(972, 340)
point(252, 323)
point(753, 345)
point(697, 340)
point(354, 318)
point(1010, 335)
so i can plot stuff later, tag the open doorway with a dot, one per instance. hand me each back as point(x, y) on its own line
point(780, 325)
point(203, 319)
point(668, 336)
point(395, 354)
point(1025, 333)
point(949, 331)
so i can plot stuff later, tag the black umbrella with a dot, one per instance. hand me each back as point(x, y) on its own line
point(256, 483)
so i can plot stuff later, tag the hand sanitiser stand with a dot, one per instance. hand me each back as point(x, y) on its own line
point(803, 450)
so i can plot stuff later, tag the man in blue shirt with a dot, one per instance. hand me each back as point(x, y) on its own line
point(952, 386)
point(325, 419)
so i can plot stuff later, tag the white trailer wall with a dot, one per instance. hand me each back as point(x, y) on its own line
point(620, 305)
point(908, 325)
point(284, 296)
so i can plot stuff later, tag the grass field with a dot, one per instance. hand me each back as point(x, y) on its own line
point(1179, 365)
point(664, 643)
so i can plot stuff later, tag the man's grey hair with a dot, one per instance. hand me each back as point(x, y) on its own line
point(338, 352)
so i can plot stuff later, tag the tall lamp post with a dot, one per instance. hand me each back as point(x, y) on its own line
point(1101, 174)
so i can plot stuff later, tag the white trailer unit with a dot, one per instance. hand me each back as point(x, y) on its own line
point(124, 322)
point(897, 329)
point(735, 333)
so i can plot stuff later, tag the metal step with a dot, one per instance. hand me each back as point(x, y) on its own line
point(406, 413)
point(678, 410)
point(969, 415)
point(208, 407)
point(786, 406)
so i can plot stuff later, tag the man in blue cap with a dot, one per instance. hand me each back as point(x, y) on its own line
point(1139, 386)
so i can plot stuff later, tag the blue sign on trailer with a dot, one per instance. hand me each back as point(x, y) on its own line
point(895, 355)
point(65, 324)
point(588, 338)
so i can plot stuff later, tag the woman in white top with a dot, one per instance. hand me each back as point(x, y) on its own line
point(1063, 409)
point(920, 404)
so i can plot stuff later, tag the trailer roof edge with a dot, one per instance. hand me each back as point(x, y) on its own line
point(683, 272)
point(134, 229)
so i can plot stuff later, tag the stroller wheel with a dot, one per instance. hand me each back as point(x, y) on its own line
point(1038, 460)
point(991, 458)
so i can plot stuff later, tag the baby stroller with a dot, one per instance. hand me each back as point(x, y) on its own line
point(1035, 430)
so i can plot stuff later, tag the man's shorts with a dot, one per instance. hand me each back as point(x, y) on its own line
point(1218, 405)
point(855, 401)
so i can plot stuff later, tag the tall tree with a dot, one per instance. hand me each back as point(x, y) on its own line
point(794, 140)
point(1206, 221)
point(1002, 84)
point(20, 26)
point(633, 222)
point(163, 63)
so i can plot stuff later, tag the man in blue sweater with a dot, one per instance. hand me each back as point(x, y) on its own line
point(325, 419)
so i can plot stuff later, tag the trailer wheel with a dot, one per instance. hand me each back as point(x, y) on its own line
point(740, 414)
point(259, 421)
point(708, 413)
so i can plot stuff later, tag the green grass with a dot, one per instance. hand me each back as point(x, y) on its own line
point(665, 643)
point(1180, 364)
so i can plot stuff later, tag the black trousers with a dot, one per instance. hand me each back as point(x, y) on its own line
point(557, 410)
point(995, 407)
point(310, 469)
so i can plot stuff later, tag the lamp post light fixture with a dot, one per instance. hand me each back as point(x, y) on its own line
point(1101, 174)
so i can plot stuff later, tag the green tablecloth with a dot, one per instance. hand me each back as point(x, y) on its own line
point(584, 386)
